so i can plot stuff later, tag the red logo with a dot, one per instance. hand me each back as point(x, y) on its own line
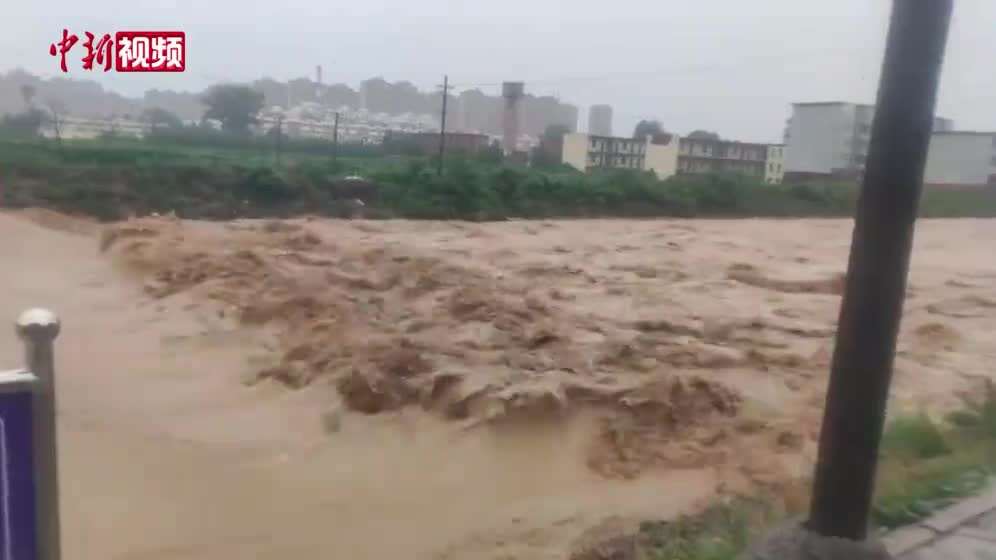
point(150, 51)
point(102, 52)
point(129, 51)
point(65, 44)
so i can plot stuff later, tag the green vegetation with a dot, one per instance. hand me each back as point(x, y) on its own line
point(912, 491)
point(24, 124)
point(721, 532)
point(201, 172)
point(914, 437)
point(235, 106)
point(159, 118)
point(647, 128)
point(925, 467)
point(978, 418)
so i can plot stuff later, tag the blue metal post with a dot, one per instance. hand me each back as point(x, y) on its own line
point(33, 412)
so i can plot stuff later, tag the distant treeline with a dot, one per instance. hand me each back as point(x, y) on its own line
point(206, 137)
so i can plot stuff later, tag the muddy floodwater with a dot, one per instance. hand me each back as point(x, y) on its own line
point(445, 390)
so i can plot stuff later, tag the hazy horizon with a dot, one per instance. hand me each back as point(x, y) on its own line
point(729, 67)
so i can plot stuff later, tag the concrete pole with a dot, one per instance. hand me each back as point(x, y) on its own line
point(38, 328)
point(872, 306)
point(442, 124)
point(280, 138)
point(335, 138)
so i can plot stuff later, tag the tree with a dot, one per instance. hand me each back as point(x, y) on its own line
point(301, 90)
point(645, 128)
point(28, 92)
point(493, 154)
point(26, 123)
point(555, 132)
point(550, 150)
point(234, 105)
point(157, 117)
point(274, 92)
point(337, 95)
point(56, 109)
point(703, 135)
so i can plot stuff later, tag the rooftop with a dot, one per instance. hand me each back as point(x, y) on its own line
point(436, 134)
point(965, 132)
point(830, 103)
point(618, 138)
point(724, 141)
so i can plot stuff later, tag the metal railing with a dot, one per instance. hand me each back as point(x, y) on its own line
point(29, 483)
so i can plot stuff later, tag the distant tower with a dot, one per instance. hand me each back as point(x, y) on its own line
point(600, 120)
point(512, 92)
point(318, 82)
point(569, 116)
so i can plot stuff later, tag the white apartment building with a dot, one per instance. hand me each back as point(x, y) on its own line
point(961, 159)
point(831, 138)
point(667, 155)
point(587, 152)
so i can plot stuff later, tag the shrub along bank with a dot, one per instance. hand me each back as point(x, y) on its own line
point(112, 179)
point(924, 467)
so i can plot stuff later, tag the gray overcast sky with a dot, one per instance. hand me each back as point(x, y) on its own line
point(727, 65)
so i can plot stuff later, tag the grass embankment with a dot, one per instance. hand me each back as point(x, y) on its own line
point(925, 466)
point(112, 178)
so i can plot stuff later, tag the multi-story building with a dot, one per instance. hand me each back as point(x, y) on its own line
point(831, 138)
point(567, 115)
point(587, 152)
point(713, 155)
point(774, 170)
point(667, 155)
point(600, 120)
point(961, 159)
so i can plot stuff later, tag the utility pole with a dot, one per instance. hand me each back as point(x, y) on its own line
point(872, 306)
point(280, 137)
point(442, 124)
point(335, 138)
